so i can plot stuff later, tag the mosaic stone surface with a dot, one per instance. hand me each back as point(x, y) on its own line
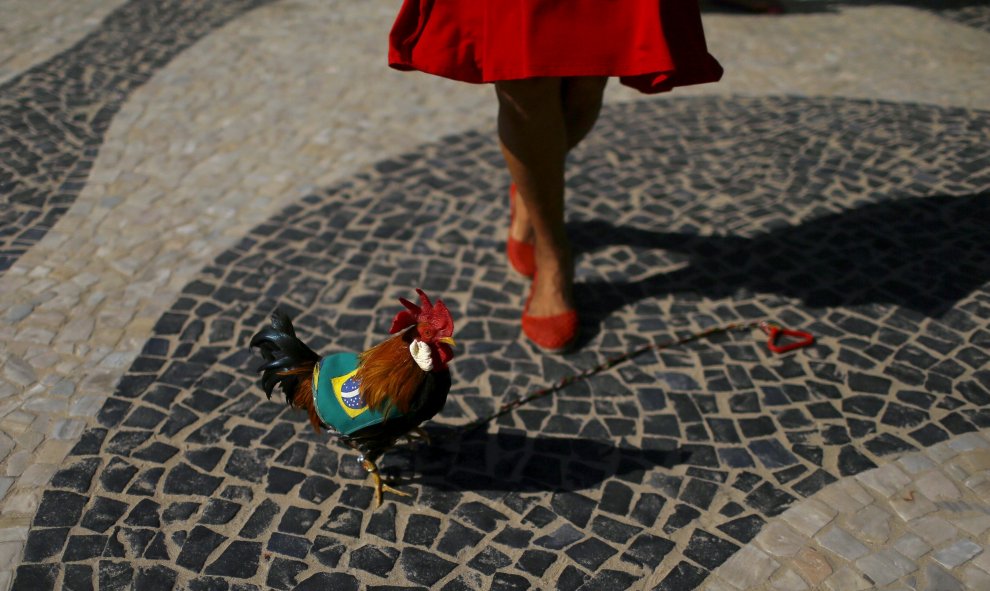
point(863, 222)
point(54, 116)
point(917, 523)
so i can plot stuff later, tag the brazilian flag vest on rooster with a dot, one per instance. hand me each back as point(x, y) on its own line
point(337, 394)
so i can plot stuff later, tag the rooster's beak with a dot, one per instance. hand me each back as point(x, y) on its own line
point(448, 340)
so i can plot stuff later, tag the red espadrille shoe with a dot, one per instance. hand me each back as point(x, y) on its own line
point(521, 254)
point(553, 334)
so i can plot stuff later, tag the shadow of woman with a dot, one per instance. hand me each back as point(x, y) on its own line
point(922, 254)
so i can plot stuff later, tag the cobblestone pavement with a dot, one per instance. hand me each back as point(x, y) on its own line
point(175, 174)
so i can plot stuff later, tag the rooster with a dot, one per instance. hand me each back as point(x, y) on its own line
point(369, 400)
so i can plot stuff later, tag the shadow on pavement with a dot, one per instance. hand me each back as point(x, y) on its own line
point(922, 254)
point(517, 462)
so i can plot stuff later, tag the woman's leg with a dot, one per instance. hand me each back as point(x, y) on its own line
point(581, 101)
point(533, 136)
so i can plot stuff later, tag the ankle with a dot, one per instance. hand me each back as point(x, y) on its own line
point(521, 229)
point(551, 292)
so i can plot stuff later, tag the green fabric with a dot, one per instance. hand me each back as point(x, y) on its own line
point(338, 399)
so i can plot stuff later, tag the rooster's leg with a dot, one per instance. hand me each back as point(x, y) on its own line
point(380, 486)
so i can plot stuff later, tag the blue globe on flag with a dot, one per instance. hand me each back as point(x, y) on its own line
point(350, 393)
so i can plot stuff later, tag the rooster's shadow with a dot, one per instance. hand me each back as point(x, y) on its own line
point(514, 461)
point(922, 254)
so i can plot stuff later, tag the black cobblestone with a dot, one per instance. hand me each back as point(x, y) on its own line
point(424, 568)
point(59, 509)
point(708, 550)
point(46, 543)
point(376, 560)
point(239, 560)
point(103, 514)
point(197, 547)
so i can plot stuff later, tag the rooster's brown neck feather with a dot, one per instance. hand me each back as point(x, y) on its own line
point(389, 376)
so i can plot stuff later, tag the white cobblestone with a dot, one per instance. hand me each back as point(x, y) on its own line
point(23, 502)
point(69, 429)
point(118, 360)
point(937, 487)
point(872, 524)
point(18, 462)
point(845, 579)
point(809, 517)
point(36, 335)
point(933, 530)
point(902, 565)
point(789, 581)
point(86, 406)
point(78, 329)
point(957, 553)
point(974, 525)
point(968, 442)
point(915, 463)
point(16, 313)
point(716, 584)
point(937, 579)
point(778, 539)
point(63, 388)
point(10, 554)
point(841, 542)
point(983, 562)
point(911, 546)
point(747, 567)
point(18, 371)
point(14, 534)
point(940, 453)
point(47, 406)
point(6, 445)
point(976, 578)
point(37, 475)
point(879, 568)
point(911, 505)
point(886, 480)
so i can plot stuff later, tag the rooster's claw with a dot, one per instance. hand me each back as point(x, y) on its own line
point(380, 486)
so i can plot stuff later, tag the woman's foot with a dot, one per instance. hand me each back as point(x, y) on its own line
point(549, 318)
point(519, 246)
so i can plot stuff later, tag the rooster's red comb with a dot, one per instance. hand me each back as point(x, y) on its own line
point(437, 315)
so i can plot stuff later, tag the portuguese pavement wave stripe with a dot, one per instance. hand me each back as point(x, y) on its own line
point(860, 221)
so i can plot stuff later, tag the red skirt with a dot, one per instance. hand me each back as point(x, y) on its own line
point(651, 45)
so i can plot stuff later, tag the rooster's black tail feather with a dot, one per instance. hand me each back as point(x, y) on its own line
point(287, 358)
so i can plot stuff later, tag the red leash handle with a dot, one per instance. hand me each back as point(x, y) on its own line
point(774, 332)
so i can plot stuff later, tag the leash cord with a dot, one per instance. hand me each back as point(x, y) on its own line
point(772, 331)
